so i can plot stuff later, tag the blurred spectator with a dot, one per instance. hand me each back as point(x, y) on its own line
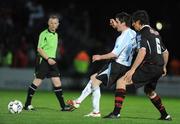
point(81, 62)
point(31, 55)
point(1, 53)
point(36, 11)
point(21, 58)
point(7, 58)
point(174, 68)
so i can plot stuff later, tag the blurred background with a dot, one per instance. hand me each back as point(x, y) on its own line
point(84, 30)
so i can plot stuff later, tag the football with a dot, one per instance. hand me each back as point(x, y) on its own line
point(15, 106)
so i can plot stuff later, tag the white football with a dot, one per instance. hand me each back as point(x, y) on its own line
point(15, 106)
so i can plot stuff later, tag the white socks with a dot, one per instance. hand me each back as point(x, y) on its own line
point(87, 90)
point(96, 95)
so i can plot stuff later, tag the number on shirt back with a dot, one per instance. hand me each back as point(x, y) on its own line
point(158, 46)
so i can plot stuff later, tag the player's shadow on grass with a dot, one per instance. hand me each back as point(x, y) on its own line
point(46, 108)
point(138, 118)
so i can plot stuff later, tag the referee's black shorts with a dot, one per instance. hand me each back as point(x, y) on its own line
point(147, 75)
point(44, 70)
point(111, 72)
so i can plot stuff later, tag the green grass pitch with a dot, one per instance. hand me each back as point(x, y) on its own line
point(136, 110)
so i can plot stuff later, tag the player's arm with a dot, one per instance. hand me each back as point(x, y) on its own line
point(165, 54)
point(103, 57)
point(118, 48)
point(165, 57)
point(140, 57)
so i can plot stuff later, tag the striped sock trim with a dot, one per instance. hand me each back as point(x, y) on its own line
point(32, 88)
point(57, 90)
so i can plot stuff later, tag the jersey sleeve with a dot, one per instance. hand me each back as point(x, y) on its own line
point(163, 48)
point(41, 41)
point(143, 42)
point(119, 46)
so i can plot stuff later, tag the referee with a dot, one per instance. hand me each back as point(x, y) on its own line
point(46, 65)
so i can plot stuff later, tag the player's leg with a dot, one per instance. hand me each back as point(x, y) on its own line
point(96, 95)
point(97, 79)
point(86, 91)
point(103, 76)
point(156, 101)
point(59, 93)
point(117, 76)
point(119, 98)
point(31, 90)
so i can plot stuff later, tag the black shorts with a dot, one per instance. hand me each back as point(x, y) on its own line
point(44, 70)
point(111, 72)
point(147, 75)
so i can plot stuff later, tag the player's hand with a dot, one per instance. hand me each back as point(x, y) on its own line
point(113, 23)
point(164, 72)
point(96, 58)
point(51, 61)
point(128, 75)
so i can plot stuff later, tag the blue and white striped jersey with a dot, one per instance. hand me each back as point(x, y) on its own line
point(125, 47)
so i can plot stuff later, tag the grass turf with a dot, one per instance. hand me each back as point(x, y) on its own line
point(136, 110)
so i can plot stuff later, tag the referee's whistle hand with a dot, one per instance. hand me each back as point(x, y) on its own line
point(51, 61)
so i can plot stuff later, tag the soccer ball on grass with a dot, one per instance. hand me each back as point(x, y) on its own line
point(15, 106)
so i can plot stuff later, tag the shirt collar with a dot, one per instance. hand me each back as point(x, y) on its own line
point(51, 31)
point(125, 30)
point(145, 26)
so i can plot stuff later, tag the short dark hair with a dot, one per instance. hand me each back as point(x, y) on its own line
point(124, 17)
point(142, 16)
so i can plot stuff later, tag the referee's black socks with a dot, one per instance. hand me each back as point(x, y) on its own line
point(59, 95)
point(31, 91)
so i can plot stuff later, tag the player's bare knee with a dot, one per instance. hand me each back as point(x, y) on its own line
point(150, 93)
point(93, 77)
point(96, 83)
point(120, 83)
